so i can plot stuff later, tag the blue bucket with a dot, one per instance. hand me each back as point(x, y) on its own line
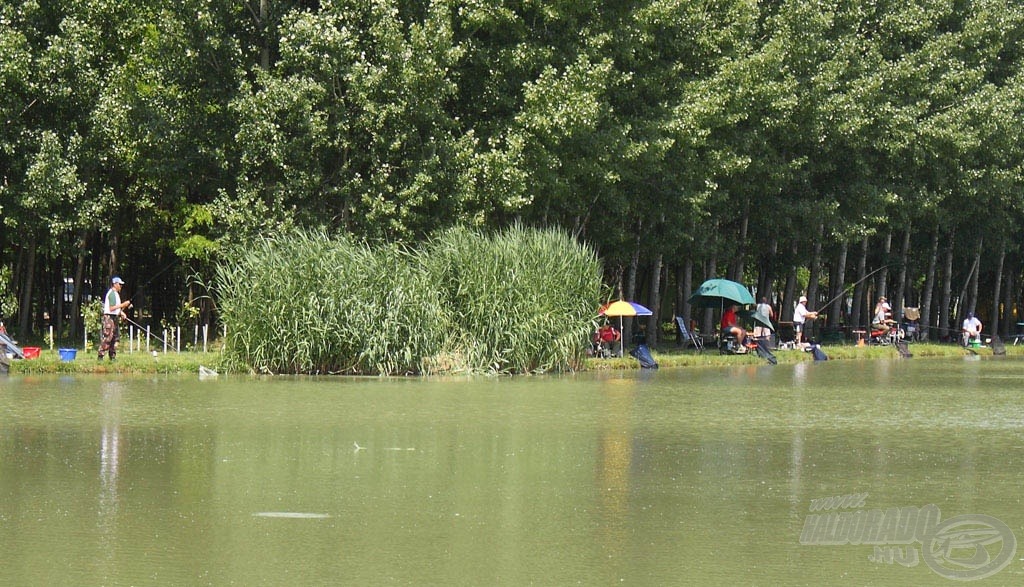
point(67, 354)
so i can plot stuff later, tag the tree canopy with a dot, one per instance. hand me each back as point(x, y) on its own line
point(793, 145)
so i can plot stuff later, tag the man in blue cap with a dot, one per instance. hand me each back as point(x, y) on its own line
point(112, 307)
point(971, 329)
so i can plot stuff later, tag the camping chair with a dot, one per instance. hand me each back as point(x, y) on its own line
point(787, 336)
point(9, 345)
point(886, 337)
point(688, 337)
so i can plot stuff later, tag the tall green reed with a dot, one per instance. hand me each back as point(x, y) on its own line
point(523, 300)
point(519, 301)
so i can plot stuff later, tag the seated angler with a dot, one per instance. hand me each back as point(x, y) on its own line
point(731, 328)
point(881, 319)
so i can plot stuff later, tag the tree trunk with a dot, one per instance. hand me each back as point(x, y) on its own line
point(44, 285)
point(947, 289)
point(79, 285)
point(789, 295)
point(652, 320)
point(684, 281)
point(25, 313)
point(57, 320)
point(766, 276)
point(897, 305)
point(883, 275)
point(815, 269)
point(265, 30)
point(708, 325)
point(995, 296)
point(968, 300)
point(973, 299)
point(858, 290)
point(112, 269)
point(929, 286)
point(1009, 328)
point(634, 266)
point(737, 267)
point(839, 284)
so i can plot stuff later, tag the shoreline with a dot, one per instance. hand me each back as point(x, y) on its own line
point(670, 357)
point(667, 357)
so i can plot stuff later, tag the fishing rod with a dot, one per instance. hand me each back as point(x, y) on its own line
point(154, 276)
point(23, 111)
point(963, 292)
point(141, 328)
point(854, 284)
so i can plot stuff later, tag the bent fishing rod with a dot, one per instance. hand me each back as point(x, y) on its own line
point(154, 276)
point(141, 328)
point(854, 284)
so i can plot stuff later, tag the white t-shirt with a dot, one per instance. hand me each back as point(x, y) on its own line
point(883, 313)
point(972, 325)
point(112, 299)
point(800, 315)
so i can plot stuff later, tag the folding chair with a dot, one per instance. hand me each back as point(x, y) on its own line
point(688, 337)
point(911, 324)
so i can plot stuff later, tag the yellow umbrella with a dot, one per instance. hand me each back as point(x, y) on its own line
point(622, 308)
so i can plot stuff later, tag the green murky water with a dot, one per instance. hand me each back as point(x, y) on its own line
point(678, 477)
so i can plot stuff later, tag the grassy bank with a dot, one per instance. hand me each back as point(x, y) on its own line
point(667, 357)
point(128, 363)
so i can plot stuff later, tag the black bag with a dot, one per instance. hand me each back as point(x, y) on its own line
point(819, 355)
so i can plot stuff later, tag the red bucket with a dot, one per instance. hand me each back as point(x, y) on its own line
point(31, 352)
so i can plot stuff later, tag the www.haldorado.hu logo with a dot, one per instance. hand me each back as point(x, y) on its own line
point(967, 547)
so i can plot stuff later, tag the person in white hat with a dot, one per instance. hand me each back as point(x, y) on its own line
point(881, 320)
point(112, 307)
point(800, 318)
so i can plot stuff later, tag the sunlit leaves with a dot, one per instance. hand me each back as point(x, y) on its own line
point(53, 189)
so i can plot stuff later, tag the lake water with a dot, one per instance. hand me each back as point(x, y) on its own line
point(693, 476)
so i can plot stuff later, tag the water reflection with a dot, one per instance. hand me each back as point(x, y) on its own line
point(693, 476)
point(110, 448)
point(615, 456)
point(110, 463)
point(800, 373)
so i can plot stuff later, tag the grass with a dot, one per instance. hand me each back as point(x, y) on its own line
point(668, 357)
point(127, 363)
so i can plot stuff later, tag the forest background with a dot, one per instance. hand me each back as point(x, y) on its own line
point(797, 146)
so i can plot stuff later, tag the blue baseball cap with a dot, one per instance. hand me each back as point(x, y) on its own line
point(117, 280)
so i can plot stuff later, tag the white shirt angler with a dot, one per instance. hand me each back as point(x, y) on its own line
point(112, 300)
point(883, 313)
point(972, 324)
point(800, 315)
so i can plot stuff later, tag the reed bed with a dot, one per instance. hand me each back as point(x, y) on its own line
point(516, 302)
point(524, 300)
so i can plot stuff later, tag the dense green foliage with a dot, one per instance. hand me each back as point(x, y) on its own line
point(518, 302)
point(794, 145)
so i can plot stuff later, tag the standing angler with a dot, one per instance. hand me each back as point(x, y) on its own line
point(112, 306)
